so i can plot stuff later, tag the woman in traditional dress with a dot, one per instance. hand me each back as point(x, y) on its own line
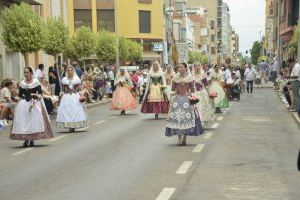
point(169, 74)
point(71, 111)
point(216, 86)
point(155, 99)
point(204, 105)
point(183, 119)
point(31, 121)
point(122, 98)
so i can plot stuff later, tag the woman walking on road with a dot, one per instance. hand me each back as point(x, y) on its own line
point(31, 121)
point(183, 119)
point(122, 98)
point(204, 106)
point(169, 74)
point(155, 99)
point(72, 112)
point(216, 86)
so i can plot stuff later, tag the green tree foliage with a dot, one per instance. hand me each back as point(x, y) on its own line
point(255, 52)
point(135, 51)
point(22, 29)
point(55, 35)
point(123, 48)
point(106, 46)
point(197, 56)
point(82, 43)
point(293, 44)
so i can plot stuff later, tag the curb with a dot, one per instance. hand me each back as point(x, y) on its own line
point(103, 102)
point(294, 114)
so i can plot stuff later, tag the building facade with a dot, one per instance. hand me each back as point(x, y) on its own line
point(12, 63)
point(139, 20)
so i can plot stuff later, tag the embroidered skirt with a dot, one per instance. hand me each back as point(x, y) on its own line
point(205, 108)
point(221, 100)
point(183, 118)
point(123, 99)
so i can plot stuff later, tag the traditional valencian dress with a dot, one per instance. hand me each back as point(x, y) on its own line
point(204, 105)
point(169, 77)
point(155, 99)
point(71, 112)
point(31, 120)
point(221, 100)
point(122, 97)
point(183, 118)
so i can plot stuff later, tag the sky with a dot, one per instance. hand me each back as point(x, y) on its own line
point(248, 19)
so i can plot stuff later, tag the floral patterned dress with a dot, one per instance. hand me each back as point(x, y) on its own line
point(183, 117)
point(205, 105)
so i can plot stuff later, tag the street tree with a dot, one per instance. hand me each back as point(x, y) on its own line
point(123, 48)
point(135, 51)
point(82, 44)
point(197, 56)
point(105, 46)
point(255, 52)
point(55, 35)
point(22, 30)
point(293, 44)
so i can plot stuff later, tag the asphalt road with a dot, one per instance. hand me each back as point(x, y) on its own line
point(249, 154)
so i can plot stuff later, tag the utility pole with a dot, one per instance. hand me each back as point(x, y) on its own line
point(298, 51)
point(117, 37)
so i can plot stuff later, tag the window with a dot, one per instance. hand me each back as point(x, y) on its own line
point(106, 20)
point(82, 13)
point(212, 24)
point(82, 18)
point(144, 21)
point(213, 38)
point(213, 50)
point(145, 1)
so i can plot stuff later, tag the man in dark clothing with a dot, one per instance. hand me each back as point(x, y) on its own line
point(77, 69)
point(54, 79)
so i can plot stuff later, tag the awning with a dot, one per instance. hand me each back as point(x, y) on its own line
point(32, 2)
point(151, 55)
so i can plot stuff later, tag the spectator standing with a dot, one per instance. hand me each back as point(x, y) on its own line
point(250, 75)
point(54, 79)
point(39, 73)
point(6, 101)
point(295, 82)
point(77, 69)
point(262, 68)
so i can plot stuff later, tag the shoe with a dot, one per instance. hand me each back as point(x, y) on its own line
point(156, 116)
point(25, 144)
point(184, 140)
point(179, 140)
point(31, 143)
point(71, 130)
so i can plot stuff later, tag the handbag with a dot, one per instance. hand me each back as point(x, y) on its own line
point(213, 94)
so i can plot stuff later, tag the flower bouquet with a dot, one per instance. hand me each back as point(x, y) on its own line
point(34, 99)
point(82, 99)
point(193, 100)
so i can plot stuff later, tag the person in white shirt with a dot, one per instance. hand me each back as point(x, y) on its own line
point(295, 82)
point(250, 75)
point(5, 100)
point(39, 73)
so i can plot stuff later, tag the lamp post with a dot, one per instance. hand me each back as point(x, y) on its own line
point(117, 37)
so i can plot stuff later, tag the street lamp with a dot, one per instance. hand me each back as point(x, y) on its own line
point(117, 37)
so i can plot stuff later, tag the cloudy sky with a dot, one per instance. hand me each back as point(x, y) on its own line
point(247, 17)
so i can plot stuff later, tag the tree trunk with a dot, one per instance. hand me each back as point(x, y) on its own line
point(26, 59)
point(59, 69)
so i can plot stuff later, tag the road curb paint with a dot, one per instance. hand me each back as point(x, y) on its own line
point(166, 194)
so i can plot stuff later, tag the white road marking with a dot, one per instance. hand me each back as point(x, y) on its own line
point(208, 135)
point(215, 125)
point(22, 151)
point(166, 194)
point(100, 122)
point(220, 118)
point(58, 138)
point(113, 117)
point(184, 167)
point(198, 148)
